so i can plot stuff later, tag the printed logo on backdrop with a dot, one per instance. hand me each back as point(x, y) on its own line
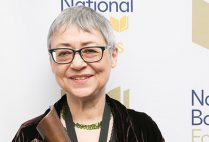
point(200, 22)
point(119, 24)
point(200, 115)
point(123, 6)
point(123, 98)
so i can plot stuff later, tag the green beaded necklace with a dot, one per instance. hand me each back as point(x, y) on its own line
point(93, 126)
point(89, 127)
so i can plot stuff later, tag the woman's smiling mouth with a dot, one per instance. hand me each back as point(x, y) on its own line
point(81, 79)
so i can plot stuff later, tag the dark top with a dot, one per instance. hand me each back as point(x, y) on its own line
point(128, 125)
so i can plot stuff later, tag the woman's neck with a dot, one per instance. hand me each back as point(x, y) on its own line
point(86, 110)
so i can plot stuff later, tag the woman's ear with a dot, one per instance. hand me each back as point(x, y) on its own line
point(114, 56)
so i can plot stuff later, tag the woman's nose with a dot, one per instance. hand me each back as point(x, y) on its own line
point(78, 63)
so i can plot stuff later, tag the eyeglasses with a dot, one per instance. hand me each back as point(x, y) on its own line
point(88, 54)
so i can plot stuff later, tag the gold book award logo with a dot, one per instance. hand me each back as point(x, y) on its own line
point(200, 22)
point(119, 25)
point(120, 47)
point(123, 98)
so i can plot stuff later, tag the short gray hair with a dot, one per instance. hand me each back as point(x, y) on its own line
point(85, 18)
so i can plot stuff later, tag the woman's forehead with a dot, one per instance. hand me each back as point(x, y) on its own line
point(76, 35)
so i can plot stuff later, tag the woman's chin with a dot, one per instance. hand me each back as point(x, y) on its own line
point(81, 94)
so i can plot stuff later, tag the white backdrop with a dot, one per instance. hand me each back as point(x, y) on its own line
point(159, 65)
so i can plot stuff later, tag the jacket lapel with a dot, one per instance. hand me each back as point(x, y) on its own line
point(51, 128)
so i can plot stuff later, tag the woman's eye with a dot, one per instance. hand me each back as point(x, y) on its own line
point(64, 53)
point(90, 51)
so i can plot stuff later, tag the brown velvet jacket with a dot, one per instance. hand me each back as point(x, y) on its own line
point(129, 125)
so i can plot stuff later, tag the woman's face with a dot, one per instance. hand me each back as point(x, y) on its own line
point(79, 78)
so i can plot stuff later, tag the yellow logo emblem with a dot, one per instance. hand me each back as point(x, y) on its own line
point(116, 94)
point(119, 25)
point(200, 22)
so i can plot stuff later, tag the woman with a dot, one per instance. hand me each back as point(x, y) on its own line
point(83, 51)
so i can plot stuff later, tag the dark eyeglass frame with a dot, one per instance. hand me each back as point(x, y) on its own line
point(77, 51)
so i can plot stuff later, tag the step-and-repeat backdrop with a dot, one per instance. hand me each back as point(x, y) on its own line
point(163, 65)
